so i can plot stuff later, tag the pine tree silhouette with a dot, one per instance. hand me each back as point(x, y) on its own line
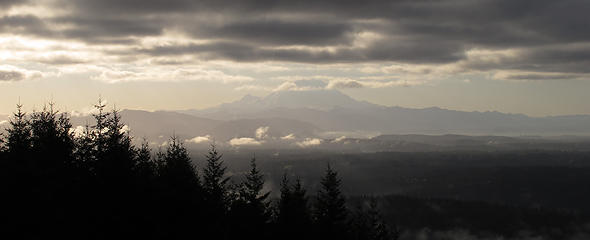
point(51, 139)
point(84, 149)
point(379, 229)
point(18, 142)
point(52, 168)
point(145, 166)
point(117, 161)
point(214, 181)
point(18, 179)
point(252, 188)
point(180, 191)
point(367, 223)
point(215, 194)
point(112, 184)
point(98, 130)
point(293, 212)
point(284, 212)
point(330, 210)
point(177, 169)
point(250, 211)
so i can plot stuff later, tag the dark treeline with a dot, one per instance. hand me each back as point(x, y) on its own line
point(98, 185)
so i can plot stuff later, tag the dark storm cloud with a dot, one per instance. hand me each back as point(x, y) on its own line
point(485, 22)
point(277, 32)
point(10, 75)
point(568, 58)
point(95, 30)
point(410, 31)
point(109, 30)
point(227, 6)
point(415, 50)
point(221, 48)
point(61, 60)
point(562, 54)
point(408, 50)
point(10, 3)
point(251, 53)
point(24, 24)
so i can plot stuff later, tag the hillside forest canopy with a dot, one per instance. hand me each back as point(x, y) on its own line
point(98, 185)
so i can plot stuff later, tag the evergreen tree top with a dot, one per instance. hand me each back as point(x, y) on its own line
point(254, 184)
point(214, 171)
point(330, 205)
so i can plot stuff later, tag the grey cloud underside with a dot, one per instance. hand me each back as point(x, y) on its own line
point(10, 3)
point(89, 28)
point(6, 76)
point(25, 24)
point(483, 21)
point(348, 84)
point(382, 51)
point(552, 36)
point(275, 32)
point(61, 60)
point(552, 58)
point(95, 31)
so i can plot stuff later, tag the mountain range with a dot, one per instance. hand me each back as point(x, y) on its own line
point(333, 111)
point(327, 117)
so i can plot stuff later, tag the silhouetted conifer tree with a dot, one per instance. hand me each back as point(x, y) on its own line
point(177, 170)
point(118, 154)
point(285, 198)
point(330, 209)
point(180, 192)
point(379, 229)
point(367, 223)
point(214, 181)
point(99, 129)
point(52, 162)
point(215, 189)
point(250, 212)
point(18, 179)
point(51, 140)
point(84, 151)
point(251, 190)
point(145, 167)
point(293, 213)
point(112, 165)
point(18, 142)
point(145, 193)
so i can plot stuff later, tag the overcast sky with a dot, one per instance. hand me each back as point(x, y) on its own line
point(529, 57)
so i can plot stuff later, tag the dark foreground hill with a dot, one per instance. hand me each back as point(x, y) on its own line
point(97, 183)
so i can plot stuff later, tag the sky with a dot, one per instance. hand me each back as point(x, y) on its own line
point(529, 56)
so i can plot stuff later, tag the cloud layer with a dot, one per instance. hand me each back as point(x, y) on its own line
point(11, 73)
point(513, 40)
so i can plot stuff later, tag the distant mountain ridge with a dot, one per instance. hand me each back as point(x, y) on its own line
point(331, 120)
point(320, 100)
point(340, 128)
point(332, 110)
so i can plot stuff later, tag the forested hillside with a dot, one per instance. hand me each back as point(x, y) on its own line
point(98, 185)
